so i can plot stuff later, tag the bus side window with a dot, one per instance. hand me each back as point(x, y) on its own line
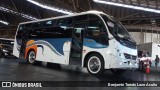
point(93, 17)
point(37, 25)
point(65, 23)
point(81, 18)
point(65, 26)
point(97, 31)
point(19, 31)
point(56, 32)
point(23, 29)
point(49, 23)
point(19, 35)
point(27, 27)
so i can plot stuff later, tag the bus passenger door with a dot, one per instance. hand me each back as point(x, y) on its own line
point(77, 44)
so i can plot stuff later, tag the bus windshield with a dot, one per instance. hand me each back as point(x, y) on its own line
point(116, 29)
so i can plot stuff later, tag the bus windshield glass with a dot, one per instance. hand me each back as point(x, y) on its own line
point(116, 29)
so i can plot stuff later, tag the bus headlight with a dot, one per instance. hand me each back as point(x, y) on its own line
point(130, 64)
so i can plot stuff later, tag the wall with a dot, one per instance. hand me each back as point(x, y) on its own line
point(145, 37)
point(152, 48)
point(146, 47)
point(155, 50)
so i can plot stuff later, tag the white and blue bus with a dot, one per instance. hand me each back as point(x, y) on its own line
point(89, 39)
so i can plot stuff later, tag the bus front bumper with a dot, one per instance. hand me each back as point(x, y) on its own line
point(120, 63)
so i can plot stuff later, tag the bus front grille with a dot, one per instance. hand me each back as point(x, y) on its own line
point(128, 56)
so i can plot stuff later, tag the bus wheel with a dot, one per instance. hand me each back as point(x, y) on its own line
point(31, 57)
point(117, 71)
point(95, 65)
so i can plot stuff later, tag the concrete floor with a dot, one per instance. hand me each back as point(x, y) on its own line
point(17, 70)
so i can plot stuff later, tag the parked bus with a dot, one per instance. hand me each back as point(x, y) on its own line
point(89, 39)
point(6, 47)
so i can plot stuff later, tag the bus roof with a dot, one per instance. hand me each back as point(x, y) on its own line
point(76, 14)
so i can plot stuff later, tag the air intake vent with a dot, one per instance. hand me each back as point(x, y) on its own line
point(128, 56)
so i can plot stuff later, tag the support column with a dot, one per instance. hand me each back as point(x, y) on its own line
point(152, 34)
point(145, 36)
point(157, 37)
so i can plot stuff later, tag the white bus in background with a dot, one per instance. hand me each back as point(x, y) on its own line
point(6, 46)
point(90, 39)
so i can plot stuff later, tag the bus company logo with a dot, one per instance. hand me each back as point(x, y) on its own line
point(6, 84)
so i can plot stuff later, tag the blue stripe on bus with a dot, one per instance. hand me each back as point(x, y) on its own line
point(91, 43)
point(57, 43)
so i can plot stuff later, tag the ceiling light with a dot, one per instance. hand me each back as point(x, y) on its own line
point(127, 6)
point(3, 22)
point(17, 13)
point(50, 8)
point(27, 16)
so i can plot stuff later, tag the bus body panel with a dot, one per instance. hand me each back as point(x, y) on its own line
point(112, 60)
point(104, 52)
point(50, 50)
point(16, 49)
point(118, 59)
point(57, 50)
point(89, 45)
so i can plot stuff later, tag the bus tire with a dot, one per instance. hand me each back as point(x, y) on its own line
point(95, 64)
point(31, 57)
point(117, 71)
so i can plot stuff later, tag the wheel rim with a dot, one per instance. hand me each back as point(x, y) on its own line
point(32, 57)
point(94, 64)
